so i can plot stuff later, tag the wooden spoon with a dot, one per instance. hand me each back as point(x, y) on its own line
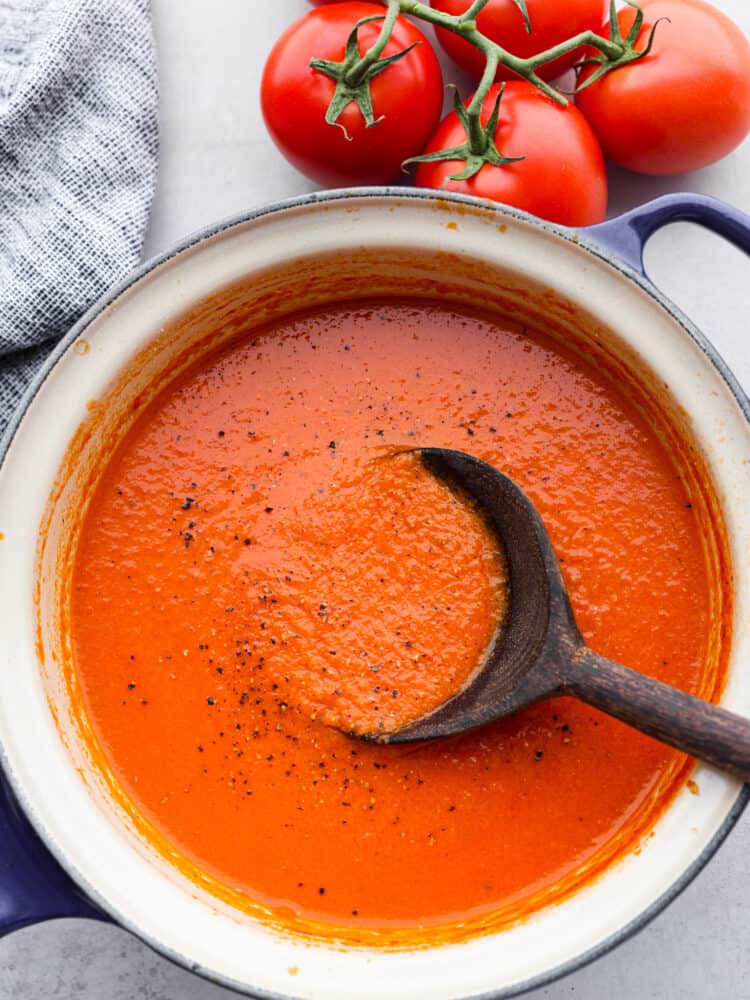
point(538, 651)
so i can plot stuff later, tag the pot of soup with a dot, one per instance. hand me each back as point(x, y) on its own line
point(217, 560)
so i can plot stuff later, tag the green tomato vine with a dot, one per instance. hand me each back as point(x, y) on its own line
point(354, 74)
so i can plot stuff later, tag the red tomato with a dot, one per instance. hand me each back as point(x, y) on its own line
point(684, 105)
point(562, 177)
point(552, 22)
point(295, 98)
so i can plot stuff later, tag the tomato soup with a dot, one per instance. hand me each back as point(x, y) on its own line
point(263, 566)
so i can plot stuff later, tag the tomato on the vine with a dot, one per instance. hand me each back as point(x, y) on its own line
point(561, 177)
point(684, 105)
point(407, 98)
point(551, 21)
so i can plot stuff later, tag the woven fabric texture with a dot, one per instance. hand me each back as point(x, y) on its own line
point(78, 160)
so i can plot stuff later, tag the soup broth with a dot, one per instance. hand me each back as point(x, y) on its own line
point(260, 569)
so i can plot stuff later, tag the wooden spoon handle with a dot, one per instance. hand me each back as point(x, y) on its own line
point(697, 727)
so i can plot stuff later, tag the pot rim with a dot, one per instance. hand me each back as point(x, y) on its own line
point(385, 193)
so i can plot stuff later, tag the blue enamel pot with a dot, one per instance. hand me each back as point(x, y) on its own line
point(67, 849)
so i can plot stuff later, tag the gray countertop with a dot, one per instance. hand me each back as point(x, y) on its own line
point(216, 160)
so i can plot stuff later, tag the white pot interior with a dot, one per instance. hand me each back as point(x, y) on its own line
point(278, 262)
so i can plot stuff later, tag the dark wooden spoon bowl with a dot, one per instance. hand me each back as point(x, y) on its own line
point(539, 653)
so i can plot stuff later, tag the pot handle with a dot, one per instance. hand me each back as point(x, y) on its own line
point(627, 235)
point(33, 886)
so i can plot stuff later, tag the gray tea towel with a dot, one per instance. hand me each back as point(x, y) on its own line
point(78, 156)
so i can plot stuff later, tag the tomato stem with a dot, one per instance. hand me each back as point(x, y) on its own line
point(480, 147)
point(613, 50)
point(629, 52)
point(521, 4)
point(357, 75)
point(475, 132)
point(354, 74)
point(476, 8)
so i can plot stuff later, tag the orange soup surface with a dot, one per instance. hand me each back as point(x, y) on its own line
point(263, 566)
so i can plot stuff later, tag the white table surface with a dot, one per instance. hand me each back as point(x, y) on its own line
point(216, 161)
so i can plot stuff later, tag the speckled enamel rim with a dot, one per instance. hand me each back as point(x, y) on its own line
point(628, 273)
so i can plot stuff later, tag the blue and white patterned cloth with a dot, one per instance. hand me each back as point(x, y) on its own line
point(78, 160)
